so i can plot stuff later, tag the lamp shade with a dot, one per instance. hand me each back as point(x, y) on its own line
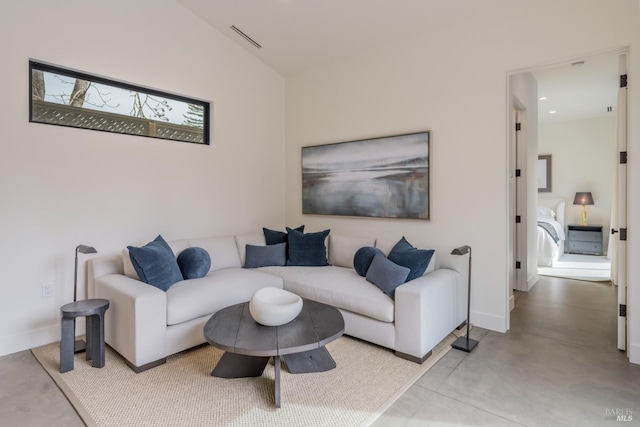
point(583, 198)
point(84, 249)
point(461, 250)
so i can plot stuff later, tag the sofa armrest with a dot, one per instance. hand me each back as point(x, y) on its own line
point(425, 312)
point(136, 322)
point(459, 263)
point(100, 266)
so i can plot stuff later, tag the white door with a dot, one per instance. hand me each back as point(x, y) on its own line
point(619, 276)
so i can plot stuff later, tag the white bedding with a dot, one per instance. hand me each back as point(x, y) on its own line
point(550, 211)
point(548, 249)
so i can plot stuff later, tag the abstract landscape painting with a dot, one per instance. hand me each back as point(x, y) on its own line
point(381, 177)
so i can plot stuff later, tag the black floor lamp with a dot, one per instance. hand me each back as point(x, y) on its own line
point(80, 345)
point(465, 343)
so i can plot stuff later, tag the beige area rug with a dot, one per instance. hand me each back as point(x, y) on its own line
point(367, 380)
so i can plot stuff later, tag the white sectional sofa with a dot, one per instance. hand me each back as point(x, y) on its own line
point(146, 324)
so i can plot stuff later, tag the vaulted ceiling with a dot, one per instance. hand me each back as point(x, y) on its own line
point(296, 35)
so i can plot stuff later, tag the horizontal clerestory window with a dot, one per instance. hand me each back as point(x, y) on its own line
point(72, 98)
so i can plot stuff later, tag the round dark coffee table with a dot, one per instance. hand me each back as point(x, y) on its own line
point(248, 345)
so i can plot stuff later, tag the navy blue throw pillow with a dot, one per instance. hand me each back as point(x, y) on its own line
point(263, 256)
point(307, 248)
point(194, 263)
point(417, 260)
point(155, 264)
point(386, 274)
point(363, 257)
point(273, 237)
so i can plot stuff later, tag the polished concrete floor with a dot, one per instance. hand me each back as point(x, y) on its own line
point(557, 366)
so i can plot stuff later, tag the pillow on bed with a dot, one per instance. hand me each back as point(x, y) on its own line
point(547, 219)
point(546, 212)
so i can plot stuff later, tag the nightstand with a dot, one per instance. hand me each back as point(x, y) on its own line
point(585, 239)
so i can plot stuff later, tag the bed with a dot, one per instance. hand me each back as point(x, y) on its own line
point(551, 235)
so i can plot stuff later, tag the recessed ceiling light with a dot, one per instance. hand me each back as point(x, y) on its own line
point(552, 112)
point(542, 98)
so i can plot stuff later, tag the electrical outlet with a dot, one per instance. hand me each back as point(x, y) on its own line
point(47, 290)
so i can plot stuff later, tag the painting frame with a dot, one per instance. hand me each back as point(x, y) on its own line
point(379, 177)
point(62, 97)
point(544, 173)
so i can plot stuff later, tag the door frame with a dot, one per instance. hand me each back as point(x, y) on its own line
point(512, 197)
point(620, 259)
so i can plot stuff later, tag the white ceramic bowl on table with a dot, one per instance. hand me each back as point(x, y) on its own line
point(274, 306)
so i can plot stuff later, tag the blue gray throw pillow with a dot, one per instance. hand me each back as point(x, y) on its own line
point(307, 248)
point(263, 256)
point(156, 264)
point(386, 274)
point(194, 263)
point(274, 237)
point(363, 257)
point(417, 260)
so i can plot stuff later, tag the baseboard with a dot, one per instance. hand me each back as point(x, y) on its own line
point(532, 281)
point(30, 339)
point(489, 321)
point(512, 303)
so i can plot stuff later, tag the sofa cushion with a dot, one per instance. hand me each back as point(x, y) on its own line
point(342, 249)
point(155, 264)
point(222, 249)
point(386, 274)
point(262, 256)
point(255, 239)
point(363, 257)
point(127, 265)
point(417, 260)
point(337, 286)
point(178, 246)
point(190, 299)
point(194, 263)
point(307, 249)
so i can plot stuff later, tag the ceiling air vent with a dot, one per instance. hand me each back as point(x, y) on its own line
point(246, 37)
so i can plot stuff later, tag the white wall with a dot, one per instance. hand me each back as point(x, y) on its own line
point(454, 82)
point(583, 159)
point(60, 187)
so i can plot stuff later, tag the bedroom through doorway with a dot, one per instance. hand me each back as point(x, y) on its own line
point(577, 125)
point(585, 140)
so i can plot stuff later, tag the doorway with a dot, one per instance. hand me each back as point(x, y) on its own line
point(571, 119)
